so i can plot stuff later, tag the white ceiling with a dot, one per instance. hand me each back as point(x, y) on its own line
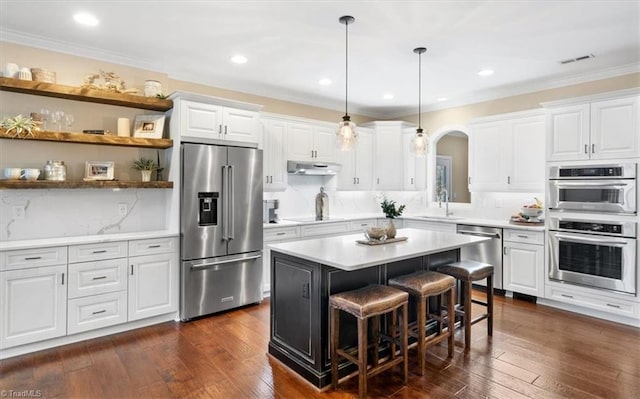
point(292, 44)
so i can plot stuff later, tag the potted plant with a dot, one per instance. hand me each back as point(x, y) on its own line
point(18, 125)
point(145, 166)
point(391, 212)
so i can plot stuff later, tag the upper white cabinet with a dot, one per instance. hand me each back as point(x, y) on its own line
point(357, 164)
point(507, 153)
point(215, 118)
point(414, 172)
point(310, 142)
point(274, 159)
point(388, 152)
point(599, 127)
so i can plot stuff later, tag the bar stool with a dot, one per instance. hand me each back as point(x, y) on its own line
point(468, 271)
point(364, 303)
point(422, 285)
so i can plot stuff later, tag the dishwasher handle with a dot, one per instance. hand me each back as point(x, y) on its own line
point(478, 234)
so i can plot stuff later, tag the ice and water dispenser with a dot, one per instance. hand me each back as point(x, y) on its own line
point(208, 214)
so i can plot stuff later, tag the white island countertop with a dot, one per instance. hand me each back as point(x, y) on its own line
point(344, 253)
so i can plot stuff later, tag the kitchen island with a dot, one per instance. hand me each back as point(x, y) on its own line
point(304, 273)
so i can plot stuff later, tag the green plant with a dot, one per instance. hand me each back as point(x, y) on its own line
point(17, 125)
point(389, 209)
point(144, 164)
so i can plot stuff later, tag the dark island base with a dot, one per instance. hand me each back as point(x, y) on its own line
point(300, 292)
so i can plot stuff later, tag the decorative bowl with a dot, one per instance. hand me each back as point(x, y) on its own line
point(531, 212)
point(375, 233)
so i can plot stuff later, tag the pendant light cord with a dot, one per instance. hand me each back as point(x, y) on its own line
point(346, 68)
point(419, 90)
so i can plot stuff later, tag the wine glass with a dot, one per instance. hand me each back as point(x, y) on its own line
point(57, 118)
point(69, 119)
point(46, 117)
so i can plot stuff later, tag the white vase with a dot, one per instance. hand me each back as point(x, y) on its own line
point(146, 175)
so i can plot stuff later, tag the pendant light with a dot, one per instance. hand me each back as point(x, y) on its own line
point(419, 142)
point(346, 136)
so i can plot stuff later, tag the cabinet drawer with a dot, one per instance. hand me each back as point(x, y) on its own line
point(360, 225)
point(96, 311)
point(603, 304)
point(25, 258)
point(324, 229)
point(281, 234)
point(526, 236)
point(153, 246)
point(100, 277)
point(105, 250)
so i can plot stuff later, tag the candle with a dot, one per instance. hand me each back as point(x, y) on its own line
point(124, 127)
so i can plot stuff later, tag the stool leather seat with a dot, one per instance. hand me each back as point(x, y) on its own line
point(368, 301)
point(424, 283)
point(467, 270)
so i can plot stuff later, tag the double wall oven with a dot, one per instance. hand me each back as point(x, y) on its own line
point(593, 227)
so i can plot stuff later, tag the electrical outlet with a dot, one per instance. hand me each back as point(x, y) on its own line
point(18, 212)
point(123, 209)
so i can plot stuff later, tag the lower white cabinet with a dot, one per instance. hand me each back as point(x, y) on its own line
point(591, 299)
point(33, 304)
point(153, 285)
point(430, 225)
point(523, 262)
point(96, 311)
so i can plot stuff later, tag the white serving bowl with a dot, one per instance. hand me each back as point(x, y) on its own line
point(531, 212)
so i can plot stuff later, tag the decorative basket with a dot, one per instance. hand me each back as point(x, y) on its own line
point(43, 75)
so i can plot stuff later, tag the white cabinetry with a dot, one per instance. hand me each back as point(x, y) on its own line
point(273, 235)
point(507, 153)
point(388, 154)
point(310, 142)
point(599, 127)
point(414, 172)
point(361, 224)
point(430, 225)
point(215, 118)
point(523, 262)
point(357, 165)
point(275, 160)
point(33, 296)
point(153, 281)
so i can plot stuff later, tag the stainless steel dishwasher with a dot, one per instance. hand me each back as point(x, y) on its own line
point(487, 252)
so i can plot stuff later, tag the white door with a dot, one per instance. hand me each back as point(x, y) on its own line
point(33, 304)
point(487, 163)
point(200, 120)
point(388, 160)
point(523, 268)
point(324, 144)
point(528, 160)
point(153, 285)
point(299, 141)
point(240, 125)
point(615, 130)
point(275, 162)
point(364, 161)
point(568, 133)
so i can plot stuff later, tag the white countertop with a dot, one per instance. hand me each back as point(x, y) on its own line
point(54, 242)
point(344, 253)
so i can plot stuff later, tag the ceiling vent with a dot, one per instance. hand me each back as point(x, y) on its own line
point(584, 57)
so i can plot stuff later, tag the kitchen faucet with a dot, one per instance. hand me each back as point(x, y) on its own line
point(445, 193)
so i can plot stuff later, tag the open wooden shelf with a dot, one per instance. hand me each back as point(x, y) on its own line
point(46, 184)
point(100, 139)
point(84, 94)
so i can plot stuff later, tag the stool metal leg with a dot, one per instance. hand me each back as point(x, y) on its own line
point(335, 337)
point(490, 305)
point(451, 310)
point(467, 315)
point(362, 357)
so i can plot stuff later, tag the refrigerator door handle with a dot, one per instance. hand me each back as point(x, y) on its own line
point(235, 259)
point(230, 187)
point(225, 203)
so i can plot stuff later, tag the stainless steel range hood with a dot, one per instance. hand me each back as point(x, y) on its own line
point(312, 168)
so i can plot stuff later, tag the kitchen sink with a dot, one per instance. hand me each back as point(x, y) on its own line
point(440, 217)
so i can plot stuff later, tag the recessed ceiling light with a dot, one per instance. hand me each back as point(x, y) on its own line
point(388, 96)
point(324, 82)
point(442, 99)
point(86, 19)
point(486, 72)
point(239, 59)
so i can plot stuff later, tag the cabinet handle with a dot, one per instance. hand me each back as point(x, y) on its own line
point(99, 278)
point(567, 296)
point(358, 180)
point(100, 251)
point(266, 179)
point(469, 180)
point(412, 180)
point(311, 153)
point(132, 270)
point(586, 149)
point(281, 233)
point(305, 290)
point(593, 148)
point(378, 180)
point(219, 129)
point(504, 250)
point(33, 258)
point(613, 306)
point(225, 129)
point(363, 225)
point(508, 179)
point(522, 236)
point(99, 311)
point(154, 246)
point(62, 278)
point(354, 180)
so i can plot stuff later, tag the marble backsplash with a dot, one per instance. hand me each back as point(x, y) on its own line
point(33, 214)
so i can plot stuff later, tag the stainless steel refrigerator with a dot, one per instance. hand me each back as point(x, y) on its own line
point(221, 228)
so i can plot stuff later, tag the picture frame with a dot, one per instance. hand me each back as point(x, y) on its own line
point(98, 170)
point(148, 126)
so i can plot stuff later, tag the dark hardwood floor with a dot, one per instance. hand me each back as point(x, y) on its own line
point(535, 352)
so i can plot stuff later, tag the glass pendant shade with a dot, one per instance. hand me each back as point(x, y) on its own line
point(346, 135)
point(419, 144)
